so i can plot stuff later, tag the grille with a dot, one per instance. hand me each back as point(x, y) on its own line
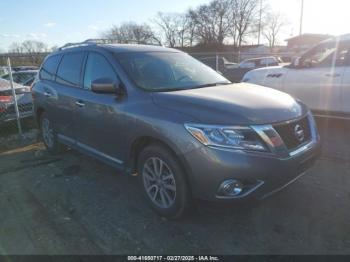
point(288, 135)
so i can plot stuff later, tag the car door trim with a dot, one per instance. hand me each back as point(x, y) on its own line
point(92, 150)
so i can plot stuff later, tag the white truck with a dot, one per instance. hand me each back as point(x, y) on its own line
point(320, 78)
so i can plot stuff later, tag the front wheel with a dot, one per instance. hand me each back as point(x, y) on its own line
point(164, 182)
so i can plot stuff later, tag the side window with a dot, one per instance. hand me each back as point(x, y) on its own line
point(97, 67)
point(49, 68)
point(69, 70)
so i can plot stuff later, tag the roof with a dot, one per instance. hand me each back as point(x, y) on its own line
point(117, 48)
point(345, 37)
point(126, 48)
point(322, 36)
point(259, 58)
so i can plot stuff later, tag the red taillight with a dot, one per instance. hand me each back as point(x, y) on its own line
point(5, 99)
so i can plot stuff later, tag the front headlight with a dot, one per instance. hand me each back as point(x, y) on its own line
point(243, 138)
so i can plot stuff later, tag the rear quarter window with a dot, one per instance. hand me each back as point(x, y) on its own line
point(48, 69)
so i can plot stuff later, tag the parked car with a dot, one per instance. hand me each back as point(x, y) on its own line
point(320, 78)
point(24, 68)
point(182, 127)
point(220, 64)
point(236, 75)
point(7, 106)
point(3, 70)
point(25, 78)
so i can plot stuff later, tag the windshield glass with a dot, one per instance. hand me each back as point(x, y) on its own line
point(166, 71)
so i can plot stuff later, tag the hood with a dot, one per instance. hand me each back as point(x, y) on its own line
point(232, 104)
point(263, 72)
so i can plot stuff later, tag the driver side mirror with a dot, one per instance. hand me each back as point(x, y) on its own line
point(106, 86)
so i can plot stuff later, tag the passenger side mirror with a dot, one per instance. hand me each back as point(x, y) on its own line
point(105, 86)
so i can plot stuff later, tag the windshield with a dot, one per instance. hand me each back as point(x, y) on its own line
point(167, 71)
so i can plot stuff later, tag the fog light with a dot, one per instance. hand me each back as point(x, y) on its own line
point(231, 188)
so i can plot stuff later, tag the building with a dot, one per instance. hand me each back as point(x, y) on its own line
point(301, 43)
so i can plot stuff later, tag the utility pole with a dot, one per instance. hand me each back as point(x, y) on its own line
point(260, 15)
point(301, 17)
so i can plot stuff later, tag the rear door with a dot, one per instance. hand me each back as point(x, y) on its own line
point(318, 82)
point(63, 92)
point(99, 121)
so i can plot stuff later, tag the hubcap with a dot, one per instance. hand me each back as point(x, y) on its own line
point(47, 132)
point(159, 182)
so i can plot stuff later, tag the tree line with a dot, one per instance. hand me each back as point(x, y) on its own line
point(219, 22)
point(216, 23)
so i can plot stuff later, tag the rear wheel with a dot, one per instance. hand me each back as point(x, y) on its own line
point(49, 135)
point(164, 182)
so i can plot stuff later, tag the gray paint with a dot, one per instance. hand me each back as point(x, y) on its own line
point(107, 126)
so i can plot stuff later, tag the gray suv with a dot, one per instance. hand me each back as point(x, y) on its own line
point(185, 130)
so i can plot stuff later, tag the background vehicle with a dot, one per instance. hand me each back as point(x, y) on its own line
point(185, 129)
point(24, 68)
point(222, 62)
point(25, 78)
point(236, 75)
point(320, 78)
point(3, 70)
point(7, 108)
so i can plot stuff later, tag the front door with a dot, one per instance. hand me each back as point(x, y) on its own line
point(99, 121)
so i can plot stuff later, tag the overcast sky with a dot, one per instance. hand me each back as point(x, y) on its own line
point(58, 22)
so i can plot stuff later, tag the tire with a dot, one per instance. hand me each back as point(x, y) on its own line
point(49, 135)
point(170, 186)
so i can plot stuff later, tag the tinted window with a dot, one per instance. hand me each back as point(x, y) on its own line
point(97, 67)
point(69, 70)
point(49, 68)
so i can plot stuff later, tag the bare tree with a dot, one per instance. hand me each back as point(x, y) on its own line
point(31, 49)
point(33, 46)
point(132, 33)
point(16, 48)
point(272, 26)
point(244, 16)
point(213, 21)
point(172, 27)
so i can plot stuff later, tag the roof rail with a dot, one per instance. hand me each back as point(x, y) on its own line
point(100, 41)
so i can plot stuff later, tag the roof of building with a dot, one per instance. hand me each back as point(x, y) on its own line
point(320, 36)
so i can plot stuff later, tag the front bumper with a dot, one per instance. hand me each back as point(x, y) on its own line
point(263, 173)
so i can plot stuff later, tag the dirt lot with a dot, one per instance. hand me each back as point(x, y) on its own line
point(72, 204)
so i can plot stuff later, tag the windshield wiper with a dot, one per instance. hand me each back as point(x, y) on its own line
point(209, 85)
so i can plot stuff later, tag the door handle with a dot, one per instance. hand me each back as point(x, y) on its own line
point(47, 94)
point(333, 75)
point(80, 103)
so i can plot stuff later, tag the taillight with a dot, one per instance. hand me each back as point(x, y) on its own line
point(5, 99)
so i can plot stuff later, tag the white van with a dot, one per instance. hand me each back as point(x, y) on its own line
point(320, 78)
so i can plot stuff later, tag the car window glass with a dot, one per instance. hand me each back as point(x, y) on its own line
point(49, 68)
point(248, 64)
point(69, 70)
point(97, 67)
point(164, 71)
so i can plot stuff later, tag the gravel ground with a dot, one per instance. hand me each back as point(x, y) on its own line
point(72, 204)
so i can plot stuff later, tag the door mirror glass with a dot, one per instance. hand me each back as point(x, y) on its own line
point(104, 86)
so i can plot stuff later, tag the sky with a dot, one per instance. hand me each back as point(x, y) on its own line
point(59, 22)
